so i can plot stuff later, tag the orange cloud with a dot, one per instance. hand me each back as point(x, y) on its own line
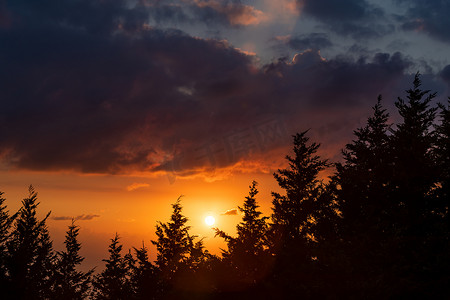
point(230, 212)
point(82, 217)
point(136, 186)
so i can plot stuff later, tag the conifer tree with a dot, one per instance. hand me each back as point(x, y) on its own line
point(30, 258)
point(173, 244)
point(443, 161)
point(296, 230)
point(415, 225)
point(113, 282)
point(247, 253)
point(366, 170)
point(143, 276)
point(181, 260)
point(364, 183)
point(5, 230)
point(415, 169)
point(365, 180)
point(69, 282)
point(440, 242)
point(293, 213)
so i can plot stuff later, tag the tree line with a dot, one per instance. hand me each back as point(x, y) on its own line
point(377, 228)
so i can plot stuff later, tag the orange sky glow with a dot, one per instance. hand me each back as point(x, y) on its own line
point(131, 206)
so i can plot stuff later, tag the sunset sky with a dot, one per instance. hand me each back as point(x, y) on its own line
point(113, 109)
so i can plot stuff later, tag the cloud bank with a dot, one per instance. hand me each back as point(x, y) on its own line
point(93, 87)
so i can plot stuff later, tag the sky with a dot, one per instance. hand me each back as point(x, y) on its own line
point(113, 109)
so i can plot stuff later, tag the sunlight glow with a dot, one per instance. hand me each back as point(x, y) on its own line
point(209, 220)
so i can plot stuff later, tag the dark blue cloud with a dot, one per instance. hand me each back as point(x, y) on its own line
point(303, 42)
point(445, 74)
point(355, 18)
point(431, 17)
point(211, 13)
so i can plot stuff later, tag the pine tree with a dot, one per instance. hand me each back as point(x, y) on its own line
point(69, 282)
point(5, 230)
point(30, 258)
point(296, 229)
point(415, 179)
point(180, 259)
point(113, 282)
point(440, 242)
point(366, 170)
point(247, 253)
point(415, 169)
point(365, 180)
point(144, 277)
point(442, 153)
point(293, 213)
point(174, 243)
point(364, 193)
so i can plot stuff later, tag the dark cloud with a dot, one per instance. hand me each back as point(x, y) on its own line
point(93, 16)
point(355, 18)
point(209, 12)
point(445, 74)
point(431, 17)
point(97, 98)
point(230, 212)
point(303, 42)
point(97, 103)
point(82, 217)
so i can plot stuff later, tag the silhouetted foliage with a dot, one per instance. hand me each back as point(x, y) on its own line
point(442, 153)
point(415, 177)
point(114, 281)
point(173, 242)
point(5, 229)
point(293, 213)
point(295, 218)
point(442, 199)
point(30, 253)
point(365, 202)
point(415, 169)
point(144, 278)
point(247, 256)
point(69, 283)
point(392, 219)
point(179, 258)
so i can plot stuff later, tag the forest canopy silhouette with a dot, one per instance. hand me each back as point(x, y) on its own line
point(377, 228)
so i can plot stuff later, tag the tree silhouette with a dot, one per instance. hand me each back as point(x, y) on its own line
point(295, 217)
point(113, 282)
point(443, 160)
point(415, 169)
point(173, 242)
point(391, 217)
point(30, 253)
point(366, 172)
point(441, 244)
point(5, 230)
point(415, 178)
point(144, 278)
point(364, 193)
point(177, 253)
point(69, 282)
point(247, 255)
point(292, 212)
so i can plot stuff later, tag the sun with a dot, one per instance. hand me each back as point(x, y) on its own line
point(209, 220)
